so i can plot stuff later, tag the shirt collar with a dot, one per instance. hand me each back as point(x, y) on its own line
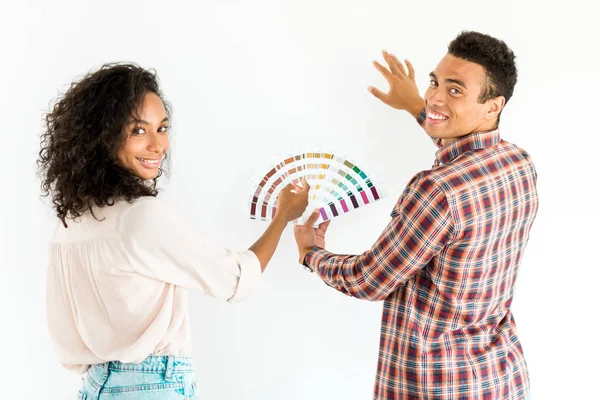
point(474, 141)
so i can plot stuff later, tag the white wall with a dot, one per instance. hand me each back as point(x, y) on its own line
point(266, 76)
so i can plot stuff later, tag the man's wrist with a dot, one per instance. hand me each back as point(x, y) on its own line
point(418, 108)
point(304, 254)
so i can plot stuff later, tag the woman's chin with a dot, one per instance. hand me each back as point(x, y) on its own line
point(147, 174)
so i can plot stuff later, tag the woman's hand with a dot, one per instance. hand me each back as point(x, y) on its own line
point(292, 201)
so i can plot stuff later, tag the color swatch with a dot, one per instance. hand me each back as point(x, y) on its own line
point(338, 185)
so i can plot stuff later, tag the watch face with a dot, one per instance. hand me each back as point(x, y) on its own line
point(307, 268)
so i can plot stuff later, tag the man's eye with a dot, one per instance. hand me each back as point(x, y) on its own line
point(163, 129)
point(455, 91)
point(432, 83)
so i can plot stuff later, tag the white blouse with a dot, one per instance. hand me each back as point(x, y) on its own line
point(117, 289)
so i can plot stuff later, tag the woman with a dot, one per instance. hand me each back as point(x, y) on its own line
point(122, 261)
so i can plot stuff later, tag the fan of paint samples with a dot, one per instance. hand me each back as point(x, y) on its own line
point(338, 186)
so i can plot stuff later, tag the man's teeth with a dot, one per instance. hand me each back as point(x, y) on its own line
point(436, 116)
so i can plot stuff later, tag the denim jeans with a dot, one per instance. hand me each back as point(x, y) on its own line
point(157, 377)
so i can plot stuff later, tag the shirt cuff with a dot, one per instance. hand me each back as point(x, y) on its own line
point(314, 257)
point(422, 117)
point(250, 273)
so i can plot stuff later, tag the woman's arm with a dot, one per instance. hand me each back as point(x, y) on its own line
point(291, 204)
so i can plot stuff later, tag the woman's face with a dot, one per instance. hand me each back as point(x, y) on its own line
point(147, 138)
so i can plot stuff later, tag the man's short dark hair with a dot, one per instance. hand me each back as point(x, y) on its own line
point(494, 56)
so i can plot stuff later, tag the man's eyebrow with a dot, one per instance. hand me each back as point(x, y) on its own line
point(457, 81)
point(449, 80)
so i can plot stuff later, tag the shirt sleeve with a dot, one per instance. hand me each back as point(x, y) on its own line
point(421, 226)
point(160, 244)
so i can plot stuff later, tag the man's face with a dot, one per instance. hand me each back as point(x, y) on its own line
point(452, 100)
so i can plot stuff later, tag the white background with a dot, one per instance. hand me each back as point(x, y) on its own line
point(252, 79)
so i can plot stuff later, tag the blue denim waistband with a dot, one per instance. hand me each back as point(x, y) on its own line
point(155, 374)
point(165, 364)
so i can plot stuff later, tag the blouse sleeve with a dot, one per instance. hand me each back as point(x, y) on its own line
point(160, 244)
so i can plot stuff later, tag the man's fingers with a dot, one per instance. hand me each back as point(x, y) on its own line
point(411, 70)
point(324, 225)
point(312, 219)
point(379, 94)
point(392, 63)
point(384, 71)
point(398, 64)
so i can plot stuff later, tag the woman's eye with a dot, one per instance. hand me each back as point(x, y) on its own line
point(138, 131)
point(432, 83)
point(163, 129)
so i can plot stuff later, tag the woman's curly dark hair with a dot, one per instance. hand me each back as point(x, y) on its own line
point(494, 56)
point(78, 161)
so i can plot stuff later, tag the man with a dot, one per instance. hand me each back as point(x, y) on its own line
point(447, 263)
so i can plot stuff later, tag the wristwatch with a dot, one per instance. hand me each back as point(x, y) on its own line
point(307, 268)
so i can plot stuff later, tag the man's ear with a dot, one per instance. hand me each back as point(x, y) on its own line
point(494, 107)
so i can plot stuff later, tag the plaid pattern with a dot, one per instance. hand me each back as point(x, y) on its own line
point(446, 267)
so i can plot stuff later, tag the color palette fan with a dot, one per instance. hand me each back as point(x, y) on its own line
point(338, 185)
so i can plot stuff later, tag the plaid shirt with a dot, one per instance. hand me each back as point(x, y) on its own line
point(446, 267)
